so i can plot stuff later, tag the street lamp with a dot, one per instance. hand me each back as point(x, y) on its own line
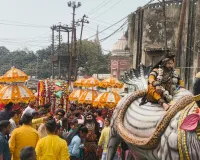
point(73, 4)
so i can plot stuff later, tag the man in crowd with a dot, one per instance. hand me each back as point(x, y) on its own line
point(28, 153)
point(52, 147)
point(4, 148)
point(100, 119)
point(59, 115)
point(5, 113)
point(104, 139)
point(23, 136)
point(13, 116)
point(74, 146)
point(30, 109)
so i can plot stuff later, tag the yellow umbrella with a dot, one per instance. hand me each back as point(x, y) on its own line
point(16, 94)
point(111, 82)
point(14, 75)
point(74, 96)
point(88, 97)
point(96, 101)
point(108, 99)
point(91, 82)
point(2, 85)
point(79, 82)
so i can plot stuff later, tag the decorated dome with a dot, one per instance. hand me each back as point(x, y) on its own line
point(119, 46)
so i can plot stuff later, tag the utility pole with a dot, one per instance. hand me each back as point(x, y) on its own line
point(52, 49)
point(37, 67)
point(165, 25)
point(74, 6)
point(180, 31)
point(59, 44)
point(83, 20)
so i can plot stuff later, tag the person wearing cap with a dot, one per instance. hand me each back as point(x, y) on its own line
point(5, 113)
point(23, 136)
point(163, 83)
point(4, 148)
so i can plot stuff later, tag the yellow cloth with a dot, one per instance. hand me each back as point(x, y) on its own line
point(37, 122)
point(52, 147)
point(21, 137)
point(104, 138)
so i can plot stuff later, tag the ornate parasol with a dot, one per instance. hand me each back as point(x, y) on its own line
point(79, 82)
point(88, 97)
point(14, 75)
point(91, 82)
point(74, 96)
point(96, 101)
point(111, 83)
point(107, 99)
point(16, 94)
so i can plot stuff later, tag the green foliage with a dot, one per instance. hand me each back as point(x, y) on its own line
point(91, 60)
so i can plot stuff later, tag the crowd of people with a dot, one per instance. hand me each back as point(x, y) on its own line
point(81, 133)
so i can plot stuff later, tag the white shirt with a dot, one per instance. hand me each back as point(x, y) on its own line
point(81, 121)
point(28, 110)
point(12, 124)
point(100, 123)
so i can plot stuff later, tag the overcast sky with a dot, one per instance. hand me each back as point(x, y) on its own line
point(26, 23)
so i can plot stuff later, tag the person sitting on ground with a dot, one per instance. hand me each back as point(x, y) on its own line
point(52, 147)
point(4, 148)
point(28, 153)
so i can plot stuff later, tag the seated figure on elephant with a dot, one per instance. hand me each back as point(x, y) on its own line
point(163, 83)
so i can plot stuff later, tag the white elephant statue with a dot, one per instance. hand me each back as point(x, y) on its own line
point(150, 132)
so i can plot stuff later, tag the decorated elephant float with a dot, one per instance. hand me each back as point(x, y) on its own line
point(150, 131)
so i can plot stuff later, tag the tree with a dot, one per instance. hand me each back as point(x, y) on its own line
point(91, 60)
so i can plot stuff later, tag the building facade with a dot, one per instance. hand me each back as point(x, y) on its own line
point(120, 58)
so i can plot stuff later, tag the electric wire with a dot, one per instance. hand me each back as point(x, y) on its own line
point(99, 7)
point(108, 9)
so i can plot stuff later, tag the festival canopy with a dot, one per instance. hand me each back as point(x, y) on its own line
point(16, 94)
point(96, 101)
point(111, 83)
point(74, 96)
point(14, 75)
point(88, 97)
point(79, 82)
point(91, 82)
point(107, 99)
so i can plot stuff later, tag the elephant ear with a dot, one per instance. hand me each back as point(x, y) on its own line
point(190, 122)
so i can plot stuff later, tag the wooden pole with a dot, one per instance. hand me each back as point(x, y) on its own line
point(180, 32)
